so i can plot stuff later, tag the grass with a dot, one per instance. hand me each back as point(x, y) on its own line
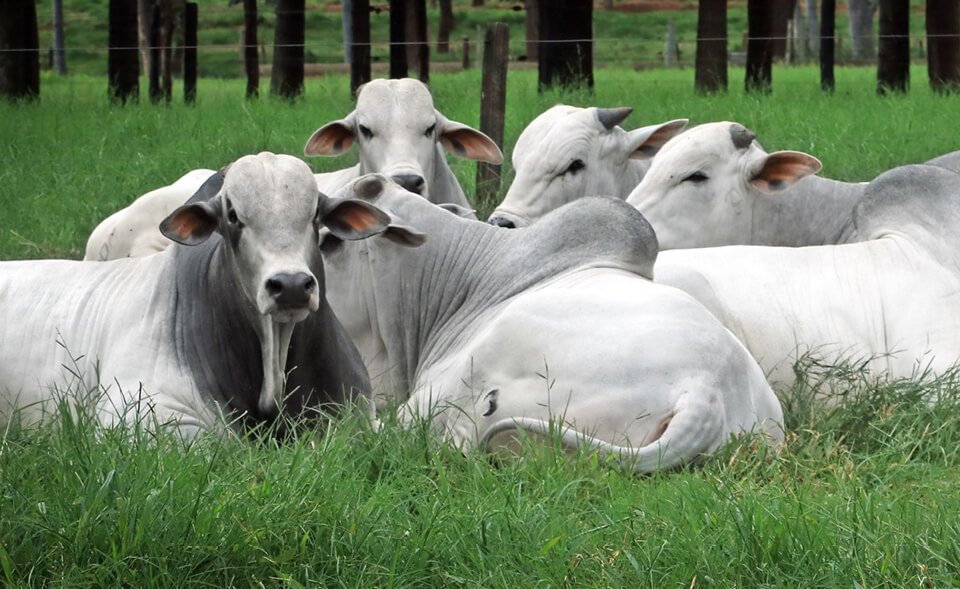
point(863, 494)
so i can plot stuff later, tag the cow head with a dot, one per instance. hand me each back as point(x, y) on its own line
point(398, 129)
point(568, 152)
point(701, 188)
point(268, 211)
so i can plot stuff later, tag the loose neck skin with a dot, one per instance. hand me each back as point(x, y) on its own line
point(817, 211)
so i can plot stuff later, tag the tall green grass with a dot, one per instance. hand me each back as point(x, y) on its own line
point(72, 158)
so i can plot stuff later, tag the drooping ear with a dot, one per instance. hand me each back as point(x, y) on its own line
point(192, 223)
point(210, 187)
point(782, 169)
point(405, 236)
point(645, 142)
point(466, 142)
point(333, 138)
point(352, 219)
point(458, 210)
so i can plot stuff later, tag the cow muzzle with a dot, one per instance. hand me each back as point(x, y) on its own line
point(414, 183)
point(292, 291)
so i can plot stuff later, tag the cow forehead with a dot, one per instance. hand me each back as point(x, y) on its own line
point(267, 183)
point(556, 135)
point(408, 99)
point(705, 144)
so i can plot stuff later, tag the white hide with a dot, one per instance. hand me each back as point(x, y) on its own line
point(568, 152)
point(892, 300)
point(474, 330)
point(134, 231)
point(400, 133)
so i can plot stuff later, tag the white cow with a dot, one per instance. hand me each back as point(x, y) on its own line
point(568, 152)
point(133, 231)
point(193, 334)
point(400, 134)
point(892, 299)
point(488, 331)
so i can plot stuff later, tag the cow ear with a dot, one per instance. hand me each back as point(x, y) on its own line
point(782, 169)
point(645, 142)
point(405, 236)
point(333, 138)
point(210, 187)
point(468, 143)
point(193, 222)
point(352, 219)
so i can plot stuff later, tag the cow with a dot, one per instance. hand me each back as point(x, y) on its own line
point(889, 302)
point(400, 134)
point(950, 161)
point(489, 332)
point(568, 152)
point(200, 334)
point(133, 230)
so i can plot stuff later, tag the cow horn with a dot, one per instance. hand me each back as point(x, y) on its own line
point(741, 136)
point(611, 117)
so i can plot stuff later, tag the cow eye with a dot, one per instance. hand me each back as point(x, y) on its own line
point(430, 130)
point(366, 132)
point(696, 178)
point(233, 218)
point(574, 167)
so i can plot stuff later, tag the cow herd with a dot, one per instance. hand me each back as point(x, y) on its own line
point(639, 293)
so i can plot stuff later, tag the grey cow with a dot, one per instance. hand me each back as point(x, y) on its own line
point(200, 335)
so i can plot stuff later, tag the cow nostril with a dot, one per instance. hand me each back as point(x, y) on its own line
point(501, 222)
point(412, 182)
point(309, 284)
point(291, 289)
point(274, 287)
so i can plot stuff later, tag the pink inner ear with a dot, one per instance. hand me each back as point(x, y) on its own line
point(470, 144)
point(783, 169)
point(185, 223)
point(331, 139)
point(359, 218)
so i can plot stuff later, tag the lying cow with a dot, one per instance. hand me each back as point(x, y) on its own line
point(568, 152)
point(891, 299)
point(489, 331)
point(134, 230)
point(400, 134)
point(194, 333)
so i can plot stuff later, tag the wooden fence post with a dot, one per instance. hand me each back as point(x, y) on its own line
point(466, 53)
point(154, 70)
point(493, 105)
point(190, 53)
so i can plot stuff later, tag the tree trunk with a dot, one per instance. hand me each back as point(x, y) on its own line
point(418, 48)
point(346, 20)
point(360, 65)
point(145, 25)
point(191, 17)
point(168, 24)
point(759, 46)
point(943, 45)
point(19, 50)
point(532, 12)
point(893, 66)
point(251, 60)
point(711, 64)
point(59, 45)
point(566, 57)
point(123, 60)
point(861, 29)
point(398, 39)
point(446, 25)
point(156, 57)
point(286, 79)
point(813, 29)
point(827, 44)
point(782, 12)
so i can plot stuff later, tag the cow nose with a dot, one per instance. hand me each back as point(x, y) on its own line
point(412, 182)
point(291, 289)
point(501, 222)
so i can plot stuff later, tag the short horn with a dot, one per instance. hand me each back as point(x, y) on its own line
point(611, 117)
point(741, 136)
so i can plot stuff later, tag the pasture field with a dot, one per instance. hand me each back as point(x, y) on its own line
point(862, 495)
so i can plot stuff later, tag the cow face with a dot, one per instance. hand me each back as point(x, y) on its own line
point(569, 152)
point(701, 188)
point(398, 129)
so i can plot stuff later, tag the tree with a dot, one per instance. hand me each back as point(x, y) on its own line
point(893, 57)
point(286, 78)
point(398, 39)
point(123, 62)
point(759, 46)
point(360, 52)
point(827, 45)
point(418, 48)
point(566, 56)
point(943, 45)
point(532, 12)
point(782, 13)
point(445, 26)
point(251, 58)
point(861, 28)
point(711, 64)
point(59, 45)
point(19, 50)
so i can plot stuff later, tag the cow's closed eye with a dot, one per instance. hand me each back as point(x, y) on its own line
point(696, 178)
point(366, 132)
point(430, 130)
point(574, 167)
